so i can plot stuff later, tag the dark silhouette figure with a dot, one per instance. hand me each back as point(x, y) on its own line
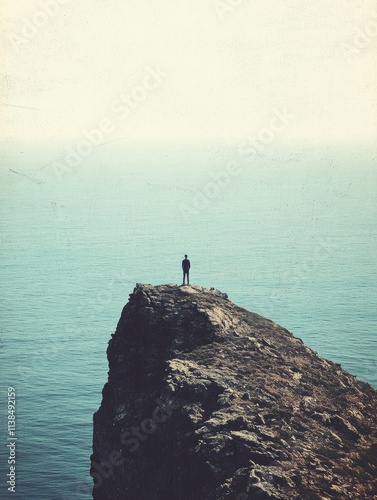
point(186, 269)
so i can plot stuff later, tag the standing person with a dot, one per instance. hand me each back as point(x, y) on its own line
point(186, 269)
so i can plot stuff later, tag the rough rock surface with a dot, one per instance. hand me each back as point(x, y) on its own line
point(206, 400)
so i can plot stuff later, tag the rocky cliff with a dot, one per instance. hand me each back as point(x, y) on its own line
point(206, 400)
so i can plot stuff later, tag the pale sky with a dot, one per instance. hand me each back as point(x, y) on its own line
point(221, 74)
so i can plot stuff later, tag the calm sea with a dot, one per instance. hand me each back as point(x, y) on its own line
point(290, 235)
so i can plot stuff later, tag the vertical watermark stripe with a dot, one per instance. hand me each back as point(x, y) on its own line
point(11, 440)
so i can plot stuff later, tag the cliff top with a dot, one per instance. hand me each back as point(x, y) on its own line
point(258, 413)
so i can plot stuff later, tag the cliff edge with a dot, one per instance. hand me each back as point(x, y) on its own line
point(206, 401)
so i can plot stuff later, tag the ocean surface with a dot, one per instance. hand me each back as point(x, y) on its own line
point(290, 234)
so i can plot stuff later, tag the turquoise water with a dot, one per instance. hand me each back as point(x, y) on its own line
point(291, 235)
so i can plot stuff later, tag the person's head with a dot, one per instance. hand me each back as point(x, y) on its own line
point(185, 256)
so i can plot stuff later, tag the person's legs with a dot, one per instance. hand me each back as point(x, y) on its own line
point(188, 279)
point(184, 274)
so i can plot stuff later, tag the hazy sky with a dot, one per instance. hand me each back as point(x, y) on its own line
point(193, 69)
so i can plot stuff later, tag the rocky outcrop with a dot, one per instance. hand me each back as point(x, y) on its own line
point(206, 400)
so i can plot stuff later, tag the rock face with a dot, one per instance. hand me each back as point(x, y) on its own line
point(206, 400)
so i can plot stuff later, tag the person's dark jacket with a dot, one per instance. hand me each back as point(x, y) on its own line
point(186, 264)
